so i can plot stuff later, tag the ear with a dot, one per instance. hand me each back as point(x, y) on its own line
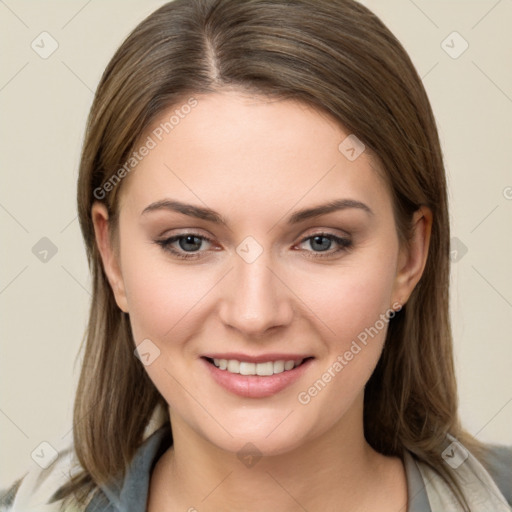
point(109, 254)
point(413, 256)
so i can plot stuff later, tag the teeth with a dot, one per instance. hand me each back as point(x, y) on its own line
point(247, 368)
point(262, 369)
point(278, 366)
point(265, 368)
point(289, 365)
point(233, 366)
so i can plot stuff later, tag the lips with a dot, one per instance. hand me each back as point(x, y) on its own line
point(251, 377)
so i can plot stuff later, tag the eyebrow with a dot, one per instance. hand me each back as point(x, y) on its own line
point(297, 217)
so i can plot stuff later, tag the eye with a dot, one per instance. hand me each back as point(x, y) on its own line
point(188, 245)
point(322, 243)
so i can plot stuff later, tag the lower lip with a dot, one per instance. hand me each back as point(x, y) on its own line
point(256, 386)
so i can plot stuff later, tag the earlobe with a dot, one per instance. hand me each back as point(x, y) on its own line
point(109, 256)
point(413, 256)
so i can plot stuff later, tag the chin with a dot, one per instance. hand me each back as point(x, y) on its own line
point(258, 444)
point(267, 436)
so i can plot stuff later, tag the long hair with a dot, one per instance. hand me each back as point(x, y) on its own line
point(338, 57)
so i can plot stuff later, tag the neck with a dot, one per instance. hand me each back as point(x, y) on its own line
point(336, 467)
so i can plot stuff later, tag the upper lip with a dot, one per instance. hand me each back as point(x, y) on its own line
point(261, 358)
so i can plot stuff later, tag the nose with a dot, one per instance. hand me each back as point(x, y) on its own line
point(255, 298)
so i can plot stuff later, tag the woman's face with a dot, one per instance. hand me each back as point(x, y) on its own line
point(273, 281)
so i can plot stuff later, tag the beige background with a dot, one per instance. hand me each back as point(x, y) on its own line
point(44, 106)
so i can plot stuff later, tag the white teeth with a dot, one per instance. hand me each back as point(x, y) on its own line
point(221, 363)
point(278, 366)
point(265, 368)
point(247, 368)
point(262, 369)
point(289, 365)
point(233, 366)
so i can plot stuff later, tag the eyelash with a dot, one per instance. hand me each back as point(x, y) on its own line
point(344, 245)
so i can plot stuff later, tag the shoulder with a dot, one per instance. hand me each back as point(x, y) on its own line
point(498, 462)
point(34, 490)
point(485, 479)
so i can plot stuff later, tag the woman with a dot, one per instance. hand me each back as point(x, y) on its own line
point(263, 200)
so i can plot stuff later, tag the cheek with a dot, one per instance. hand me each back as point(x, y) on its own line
point(350, 298)
point(162, 295)
point(357, 315)
point(352, 307)
point(166, 306)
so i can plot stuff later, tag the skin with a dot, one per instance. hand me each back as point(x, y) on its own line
point(256, 162)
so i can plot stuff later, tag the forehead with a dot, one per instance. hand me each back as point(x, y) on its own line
point(232, 147)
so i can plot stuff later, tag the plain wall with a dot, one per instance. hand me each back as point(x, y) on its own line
point(44, 104)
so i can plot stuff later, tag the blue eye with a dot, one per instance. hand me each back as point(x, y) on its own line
point(324, 241)
point(191, 242)
point(189, 245)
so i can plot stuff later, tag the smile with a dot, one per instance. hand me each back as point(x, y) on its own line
point(256, 379)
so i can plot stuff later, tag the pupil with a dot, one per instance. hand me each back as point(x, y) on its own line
point(190, 240)
point(323, 247)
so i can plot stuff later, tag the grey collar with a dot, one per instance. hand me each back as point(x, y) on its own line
point(418, 499)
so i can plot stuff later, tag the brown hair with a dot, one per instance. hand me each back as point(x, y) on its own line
point(338, 57)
